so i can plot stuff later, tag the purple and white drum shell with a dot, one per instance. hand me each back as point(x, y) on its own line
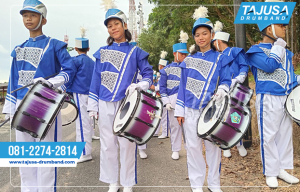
point(40, 108)
point(234, 117)
point(241, 93)
point(292, 104)
point(135, 108)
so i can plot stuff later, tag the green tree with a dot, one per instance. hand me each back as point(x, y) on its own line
point(169, 17)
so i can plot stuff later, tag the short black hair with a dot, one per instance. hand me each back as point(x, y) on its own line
point(83, 49)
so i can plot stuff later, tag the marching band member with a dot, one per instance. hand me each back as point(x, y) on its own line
point(271, 65)
point(199, 77)
point(164, 122)
point(115, 69)
point(39, 56)
point(238, 69)
point(169, 85)
point(80, 88)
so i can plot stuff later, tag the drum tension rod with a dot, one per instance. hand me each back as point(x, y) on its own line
point(235, 107)
point(227, 124)
point(20, 128)
point(133, 136)
point(243, 90)
point(237, 101)
point(41, 96)
point(27, 114)
point(154, 107)
point(138, 119)
point(217, 138)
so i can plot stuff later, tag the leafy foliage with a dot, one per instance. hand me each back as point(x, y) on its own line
point(169, 17)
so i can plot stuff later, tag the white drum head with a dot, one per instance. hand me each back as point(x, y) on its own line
point(292, 104)
point(209, 116)
point(125, 111)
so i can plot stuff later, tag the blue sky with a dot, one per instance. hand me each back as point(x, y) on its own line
point(62, 17)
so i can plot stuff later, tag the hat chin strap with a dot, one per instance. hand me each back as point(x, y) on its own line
point(273, 31)
point(177, 56)
point(218, 45)
point(40, 22)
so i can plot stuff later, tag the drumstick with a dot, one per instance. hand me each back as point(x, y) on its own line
point(32, 83)
point(287, 47)
point(5, 122)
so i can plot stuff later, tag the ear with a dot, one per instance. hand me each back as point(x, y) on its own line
point(125, 26)
point(174, 53)
point(213, 35)
point(76, 49)
point(88, 49)
point(44, 21)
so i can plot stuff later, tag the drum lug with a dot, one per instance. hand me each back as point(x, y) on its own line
point(154, 107)
point(228, 125)
point(138, 119)
point(219, 139)
point(41, 96)
point(29, 115)
point(133, 136)
point(20, 128)
point(235, 107)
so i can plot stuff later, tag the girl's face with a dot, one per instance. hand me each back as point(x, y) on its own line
point(202, 37)
point(116, 30)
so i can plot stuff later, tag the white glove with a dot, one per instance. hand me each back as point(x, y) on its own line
point(233, 82)
point(169, 107)
point(241, 78)
point(280, 42)
point(7, 116)
point(278, 49)
point(93, 114)
point(219, 96)
point(131, 88)
point(43, 81)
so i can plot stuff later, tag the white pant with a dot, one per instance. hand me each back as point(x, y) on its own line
point(275, 130)
point(164, 123)
point(195, 161)
point(175, 128)
point(84, 128)
point(42, 178)
point(109, 161)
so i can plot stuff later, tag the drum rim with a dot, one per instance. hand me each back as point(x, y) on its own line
point(76, 113)
point(130, 117)
point(250, 116)
point(217, 122)
point(285, 108)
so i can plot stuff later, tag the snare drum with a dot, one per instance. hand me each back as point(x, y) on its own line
point(38, 110)
point(241, 93)
point(292, 104)
point(69, 111)
point(138, 117)
point(224, 124)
